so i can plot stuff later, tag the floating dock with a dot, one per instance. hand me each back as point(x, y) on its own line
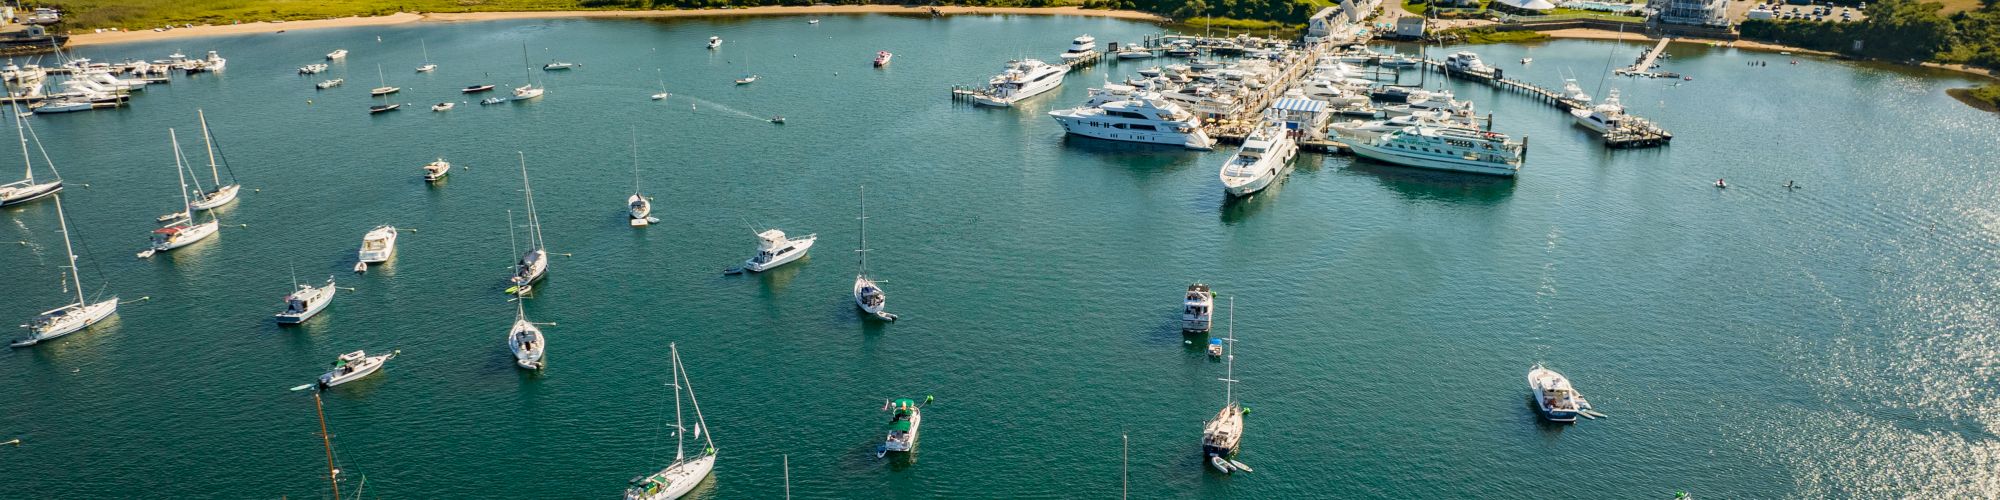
point(1633, 132)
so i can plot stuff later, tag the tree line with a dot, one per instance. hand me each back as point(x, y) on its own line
point(1283, 11)
point(1900, 30)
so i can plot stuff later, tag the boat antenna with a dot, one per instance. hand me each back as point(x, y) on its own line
point(332, 473)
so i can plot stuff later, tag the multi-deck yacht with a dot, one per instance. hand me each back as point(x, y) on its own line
point(1143, 117)
point(1264, 157)
point(1079, 48)
point(1021, 80)
point(1453, 149)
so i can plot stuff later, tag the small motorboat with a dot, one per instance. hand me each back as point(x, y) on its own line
point(882, 58)
point(1526, 60)
point(774, 249)
point(336, 54)
point(474, 89)
point(558, 66)
point(353, 366)
point(307, 301)
point(435, 171)
point(814, 21)
point(661, 96)
point(1215, 348)
point(714, 42)
point(1554, 398)
point(378, 245)
point(1238, 464)
point(383, 108)
point(746, 79)
point(777, 120)
point(330, 83)
point(442, 106)
point(1720, 184)
point(491, 100)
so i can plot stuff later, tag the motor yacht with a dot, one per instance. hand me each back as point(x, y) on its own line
point(1440, 148)
point(1021, 80)
point(774, 249)
point(1265, 156)
point(1145, 117)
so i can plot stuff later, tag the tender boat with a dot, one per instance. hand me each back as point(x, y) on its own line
point(1215, 348)
point(1079, 48)
point(353, 366)
point(443, 106)
point(1021, 80)
point(905, 419)
point(774, 249)
point(435, 171)
point(330, 83)
point(378, 245)
point(713, 42)
point(1265, 156)
point(1142, 117)
point(307, 301)
point(180, 230)
point(684, 473)
point(1452, 149)
point(336, 54)
point(558, 66)
point(882, 58)
point(474, 89)
point(1197, 309)
point(526, 341)
point(69, 318)
point(1554, 398)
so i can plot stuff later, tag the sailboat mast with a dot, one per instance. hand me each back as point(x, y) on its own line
point(427, 50)
point(21, 129)
point(525, 65)
point(534, 221)
point(699, 421)
point(635, 160)
point(1229, 369)
point(680, 432)
point(210, 144)
point(74, 278)
point(180, 169)
point(863, 250)
point(332, 474)
point(511, 243)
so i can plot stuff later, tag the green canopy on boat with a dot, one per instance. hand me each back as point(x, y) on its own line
point(900, 425)
point(903, 402)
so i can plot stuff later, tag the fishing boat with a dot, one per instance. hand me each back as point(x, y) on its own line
point(1602, 117)
point(74, 316)
point(28, 189)
point(882, 58)
point(378, 245)
point(684, 473)
point(638, 209)
point(529, 90)
point(868, 294)
point(533, 264)
point(1265, 156)
point(306, 301)
point(1222, 436)
point(327, 84)
point(353, 366)
point(435, 171)
point(180, 229)
point(1554, 398)
point(1197, 308)
point(474, 89)
point(526, 340)
point(558, 66)
point(427, 66)
point(714, 42)
point(385, 89)
point(443, 106)
point(774, 249)
point(905, 419)
point(336, 54)
point(218, 194)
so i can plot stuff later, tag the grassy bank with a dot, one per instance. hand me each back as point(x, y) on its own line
point(1489, 35)
point(147, 14)
point(1221, 25)
point(1985, 97)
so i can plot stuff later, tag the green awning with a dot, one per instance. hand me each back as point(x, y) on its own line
point(900, 425)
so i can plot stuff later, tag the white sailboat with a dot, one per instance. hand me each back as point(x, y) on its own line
point(526, 340)
point(218, 194)
point(528, 90)
point(427, 67)
point(1222, 437)
point(868, 294)
point(27, 189)
point(684, 473)
point(638, 208)
point(748, 77)
point(75, 316)
point(663, 90)
point(385, 89)
point(535, 262)
point(180, 230)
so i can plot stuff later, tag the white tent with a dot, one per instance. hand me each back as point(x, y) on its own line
point(1535, 5)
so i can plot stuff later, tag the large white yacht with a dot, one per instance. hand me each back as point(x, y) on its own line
point(774, 249)
point(1603, 116)
point(1466, 62)
point(1362, 130)
point(1143, 117)
point(1266, 153)
point(1454, 149)
point(1021, 80)
point(1080, 48)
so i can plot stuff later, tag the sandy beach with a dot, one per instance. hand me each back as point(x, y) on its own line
point(83, 39)
point(1597, 34)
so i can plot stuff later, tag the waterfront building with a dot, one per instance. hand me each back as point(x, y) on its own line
point(1706, 13)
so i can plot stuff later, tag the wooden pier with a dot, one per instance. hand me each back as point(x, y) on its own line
point(1632, 132)
point(1644, 66)
point(1252, 109)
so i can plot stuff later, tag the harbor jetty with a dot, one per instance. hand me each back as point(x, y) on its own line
point(1643, 66)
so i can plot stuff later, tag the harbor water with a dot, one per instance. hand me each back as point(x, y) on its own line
point(1754, 342)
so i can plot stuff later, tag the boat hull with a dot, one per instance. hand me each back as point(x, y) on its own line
point(1076, 126)
point(1249, 187)
point(29, 193)
point(1372, 152)
point(526, 342)
point(221, 196)
point(188, 236)
point(681, 477)
point(782, 259)
point(90, 315)
point(374, 364)
point(312, 309)
point(1586, 120)
point(862, 286)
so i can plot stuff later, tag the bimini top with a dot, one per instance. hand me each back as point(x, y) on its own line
point(770, 239)
point(1305, 105)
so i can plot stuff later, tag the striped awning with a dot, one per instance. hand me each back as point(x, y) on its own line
point(1300, 105)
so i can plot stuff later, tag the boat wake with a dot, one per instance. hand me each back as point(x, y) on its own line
point(704, 106)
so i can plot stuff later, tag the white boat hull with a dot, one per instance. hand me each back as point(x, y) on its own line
point(861, 298)
point(385, 237)
point(526, 341)
point(800, 248)
point(28, 192)
point(312, 308)
point(369, 367)
point(219, 197)
point(1589, 121)
point(188, 236)
point(681, 478)
point(75, 322)
point(1372, 152)
point(1197, 140)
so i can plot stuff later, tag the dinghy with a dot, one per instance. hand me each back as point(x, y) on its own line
point(353, 366)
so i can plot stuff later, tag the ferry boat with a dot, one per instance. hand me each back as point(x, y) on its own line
point(306, 302)
point(1602, 117)
point(1453, 149)
point(1080, 48)
point(1554, 398)
point(882, 58)
point(354, 366)
point(1264, 157)
point(1144, 117)
point(774, 249)
point(1021, 80)
point(1197, 309)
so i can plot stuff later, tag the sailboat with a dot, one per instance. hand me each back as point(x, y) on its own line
point(219, 194)
point(180, 230)
point(26, 189)
point(332, 471)
point(1222, 437)
point(427, 67)
point(868, 294)
point(638, 208)
point(535, 262)
point(75, 316)
point(681, 476)
point(663, 90)
point(525, 340)
point(528, 90)
point(748, 77)
point(385, 89)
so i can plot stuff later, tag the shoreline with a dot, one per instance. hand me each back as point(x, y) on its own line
point(248, 28)
point(1599, 34)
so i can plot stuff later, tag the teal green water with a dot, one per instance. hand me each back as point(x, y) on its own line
point(1837, 341)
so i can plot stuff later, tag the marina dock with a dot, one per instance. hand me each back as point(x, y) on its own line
point(1646, 62)
point(1633, 132)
